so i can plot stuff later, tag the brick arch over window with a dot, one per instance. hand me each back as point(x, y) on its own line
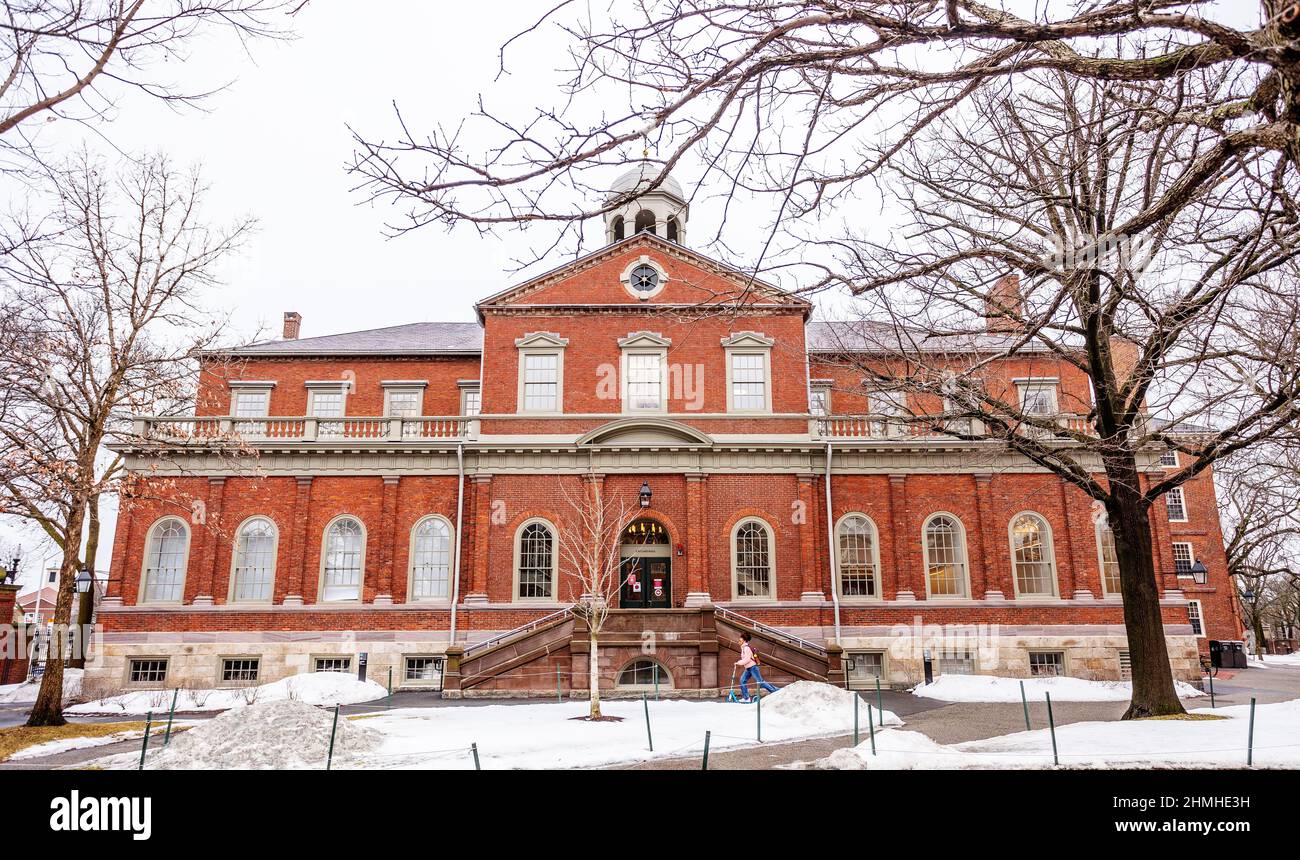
point(674, 535)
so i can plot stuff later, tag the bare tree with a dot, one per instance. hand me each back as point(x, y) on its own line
point(74, 60)
point(588, 558)
point(1141, 184)
point(103, 319)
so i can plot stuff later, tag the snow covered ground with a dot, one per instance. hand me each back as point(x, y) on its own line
point(25, 693)
point(1108, 745)
point(990, 688)
point(313, 688)
point(1270, 660)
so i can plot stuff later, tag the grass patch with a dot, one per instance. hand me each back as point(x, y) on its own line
point(19, 738)
point(1193, 717)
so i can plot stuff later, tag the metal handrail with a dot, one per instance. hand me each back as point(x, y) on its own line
point(523, 628)
point(768, 630)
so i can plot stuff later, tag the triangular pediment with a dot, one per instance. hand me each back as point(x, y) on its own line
point(644, 339)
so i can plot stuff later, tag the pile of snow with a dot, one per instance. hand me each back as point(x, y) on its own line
point(312, 688)
point(25, 693)
point(1105, 745)
point(278, 735)
point(822, 706)
point(991, 688)
point(1270, 660)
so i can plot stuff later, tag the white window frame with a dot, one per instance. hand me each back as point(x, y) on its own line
point(963, 544)
point(1049, 546)
point(468, 387)
point(236, 557)
point(324, 550)
point(1172, 453)
point(1199, 617)
point(405, 387)
point(541, 343)
point(897, 408)
point(1191, 557)
point(148, 554)
point(438, 664)
point(451, 560)
point(518, 558)
point(644, 260)
point(332, 386)
point(1182, 504)
point(875, 560)
point(1100, 529)
point(247, 386)
point(771, 562)
point(749, 343)
point(1051, 384)
point(637, 344)
point(820, 387)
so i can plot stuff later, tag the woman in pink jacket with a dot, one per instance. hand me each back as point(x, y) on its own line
point(750, 664)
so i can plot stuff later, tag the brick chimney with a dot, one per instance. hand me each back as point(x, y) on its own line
point(1004, 297)
point(292, 324)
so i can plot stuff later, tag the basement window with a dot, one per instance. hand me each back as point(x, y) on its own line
point(423, 672)
point(332, 664)
point(1046, 663)
point(240, 670)
point(643, 673)
point(148, 671)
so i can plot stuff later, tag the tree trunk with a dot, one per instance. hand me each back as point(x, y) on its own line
point(48, 710)
point(593, 676)
point(1129, 515)
point(1259, 634)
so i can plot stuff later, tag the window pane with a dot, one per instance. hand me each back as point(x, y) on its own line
point(1183, 559)
point(1032, 554)
point(165, 563)
point(1194, 617)
point(945, 558)
point(431, 561)
point(1109, 560)
point(239, 670)
point(535, 562)
point(1038, 399)
point(327, 404)
point(251, 404)
point(748, 382)
point(472, 401)
point(333, 664)
point(819, 402)
point(753, 567)
point(404, 404)
point(644, 381)
point(254, 560)
point(1174, 502)
point(148, 671)
point(1046, 663)
point(343, 549)
point(857, 558)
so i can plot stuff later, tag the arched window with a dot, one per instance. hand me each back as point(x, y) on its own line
point(671, 230)
point(1032, 556)
point(430, 560)
point(856, 537)
point(535, 559)
point(945, 556)
point(618, 229)
point(644, 673)
point(645, 220)
point(752, 558)
point(343, 560)
point(1108, 558)
point(165, 561)
point(254, 573)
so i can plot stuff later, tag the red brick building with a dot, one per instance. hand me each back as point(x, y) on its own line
point(410, 483)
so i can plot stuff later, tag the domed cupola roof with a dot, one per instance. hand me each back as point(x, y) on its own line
point(661, 210)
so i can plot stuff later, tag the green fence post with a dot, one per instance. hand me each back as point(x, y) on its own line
point(880, 705)
point(170, 714)
point(1024, 702)
point(1250, 738)
point(144, 748)
point(856, 697)
point(705, 765)
point(871, 727)
point(656, 672)
point(1051, 722)
point(473, 748)
point(758, 698)
point(649, 738)
point(390, 686)
point(559, 696)
point(329, 761)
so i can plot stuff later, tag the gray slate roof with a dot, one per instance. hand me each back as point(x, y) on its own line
point(871, 336)
point(425, 338)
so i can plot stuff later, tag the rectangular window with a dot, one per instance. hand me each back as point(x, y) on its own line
point(891, 406)
point(332, 664)
point(645, 381)
point(404, 403)
point(471, 402)
point(864, 668)
point(819, 401)
point(239, 670)
point(1194, 617)
point(148, 671)
point(1183, 559)
point(327, 404)
point(251, 404)
point(1169, 459)
point(1038, 398)
point(962, 663)
point(1176, 506)
point(423, 670)
point(748, 382)
point(1046, 663)
point(541, 382)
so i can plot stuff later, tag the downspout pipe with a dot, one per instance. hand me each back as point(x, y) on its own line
point(460, 537)
point(830, 545)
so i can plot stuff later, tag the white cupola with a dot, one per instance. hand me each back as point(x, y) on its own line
point(662, 211)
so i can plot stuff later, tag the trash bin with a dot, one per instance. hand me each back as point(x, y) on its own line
point(1234, 655)
point(1216, 653)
